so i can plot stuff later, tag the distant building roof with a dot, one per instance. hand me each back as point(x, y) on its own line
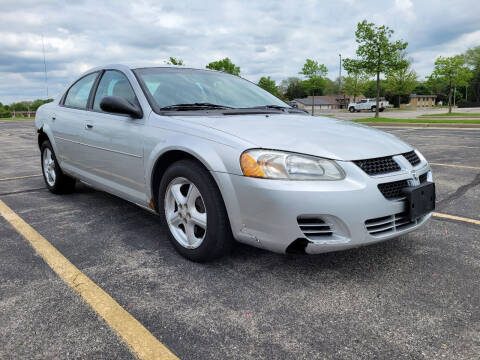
point(415, 96)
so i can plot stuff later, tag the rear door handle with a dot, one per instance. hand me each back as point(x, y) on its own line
point(89, 126)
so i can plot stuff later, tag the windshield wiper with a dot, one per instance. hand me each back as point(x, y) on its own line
point(194, 106)
point(268, 107)
point(278, 107)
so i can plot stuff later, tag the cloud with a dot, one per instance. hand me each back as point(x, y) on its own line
point(265, 38)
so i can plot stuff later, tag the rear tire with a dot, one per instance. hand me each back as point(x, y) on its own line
point(57, 182)
point(373, 109)
point(351, 109)
point(381, 109)
point(193, 211)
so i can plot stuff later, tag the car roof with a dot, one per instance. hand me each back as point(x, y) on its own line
point(125, 67)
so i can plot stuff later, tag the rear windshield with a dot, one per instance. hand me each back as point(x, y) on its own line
point(171, 86)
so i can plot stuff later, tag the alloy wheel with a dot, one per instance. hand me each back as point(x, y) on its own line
point(185, 213)
point(49, 167)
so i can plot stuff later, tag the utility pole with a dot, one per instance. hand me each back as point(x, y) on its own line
point(45, 66)
point(340, 74)
point(340, 80)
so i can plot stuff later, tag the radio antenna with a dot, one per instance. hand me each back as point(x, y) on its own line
point(45, 66)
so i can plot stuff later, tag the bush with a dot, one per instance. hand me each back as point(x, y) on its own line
point(465, 104)
point(5, 113)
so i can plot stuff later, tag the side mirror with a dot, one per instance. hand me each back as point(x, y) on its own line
point(119, 105)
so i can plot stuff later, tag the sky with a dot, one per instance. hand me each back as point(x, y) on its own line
point(263, 37)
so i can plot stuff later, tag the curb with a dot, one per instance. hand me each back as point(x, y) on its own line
point(422, 125)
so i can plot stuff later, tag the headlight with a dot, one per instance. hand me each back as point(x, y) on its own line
point(270, 164)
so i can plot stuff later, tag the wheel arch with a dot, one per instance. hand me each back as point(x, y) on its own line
point(161, 165)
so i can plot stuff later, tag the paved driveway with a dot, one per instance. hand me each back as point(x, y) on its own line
point(416, 297)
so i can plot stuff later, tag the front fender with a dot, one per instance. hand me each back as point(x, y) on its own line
point(216, 157)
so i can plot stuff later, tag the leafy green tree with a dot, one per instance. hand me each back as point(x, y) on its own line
point(401, 81)
point(370, 89)
point(453, 71)
point(422, 88)
point(224, 65)
point(269, 85)
point(315, 82)
point(312, 69)
point(376, 53)
point(354, 85)
point(472, 59)
point(174, 61)
point(314, 86)
point(293, 88)
point(332, 86)
point(356, 81)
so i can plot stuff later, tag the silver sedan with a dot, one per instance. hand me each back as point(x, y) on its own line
point(219, 159)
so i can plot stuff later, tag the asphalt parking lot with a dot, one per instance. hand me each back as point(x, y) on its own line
point(415, 297)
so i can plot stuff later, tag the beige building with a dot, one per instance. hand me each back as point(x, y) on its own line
point(422, 100)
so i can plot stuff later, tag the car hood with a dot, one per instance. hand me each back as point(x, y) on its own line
point(318, 136)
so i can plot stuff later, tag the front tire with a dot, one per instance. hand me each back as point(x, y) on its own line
point(373, 108)
point(57, 182)
point(351, 109)
point(194, 212)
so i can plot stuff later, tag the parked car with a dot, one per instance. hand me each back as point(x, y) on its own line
point(368, 104)
point(219, 158)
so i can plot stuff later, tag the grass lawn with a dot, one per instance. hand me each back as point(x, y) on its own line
point(470, 115)
point(419, 121)
point(16, 118)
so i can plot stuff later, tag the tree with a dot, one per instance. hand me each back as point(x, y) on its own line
point(472, 59)
point(376, 53)
point(293, 88)
point(356, 81)
point(401, 81)
point(314, 86)
point(174, 61)
point(315, 82)
point(312, 69)
point(224, 65)
point(269, 85)
point(453, 71)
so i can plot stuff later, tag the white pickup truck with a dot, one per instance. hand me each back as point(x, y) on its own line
point(367, 104)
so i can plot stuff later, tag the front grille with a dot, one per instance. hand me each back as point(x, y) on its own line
point(389, 224)
point(393, 190)
point(376, 166)
point(314, 228)
point(412, 158)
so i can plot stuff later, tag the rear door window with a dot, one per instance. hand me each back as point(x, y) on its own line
point(77, 96)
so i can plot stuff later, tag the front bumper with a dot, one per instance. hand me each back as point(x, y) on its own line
point(265, 213)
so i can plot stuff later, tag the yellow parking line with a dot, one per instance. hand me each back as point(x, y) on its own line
point(459, 166)
point(20, 177)
point(140, 341)
point(459, 218)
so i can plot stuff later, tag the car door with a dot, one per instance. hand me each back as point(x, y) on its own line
point(114, 142)
point(68, 121)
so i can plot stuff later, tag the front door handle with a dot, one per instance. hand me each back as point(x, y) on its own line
point(89, 126)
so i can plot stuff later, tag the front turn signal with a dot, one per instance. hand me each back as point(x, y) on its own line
point(250, 166)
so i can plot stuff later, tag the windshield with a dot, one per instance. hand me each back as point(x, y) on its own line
point(171, 86)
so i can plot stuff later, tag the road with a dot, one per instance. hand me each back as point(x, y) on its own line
point(416, 297)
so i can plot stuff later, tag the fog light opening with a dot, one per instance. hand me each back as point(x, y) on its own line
point(297, 246)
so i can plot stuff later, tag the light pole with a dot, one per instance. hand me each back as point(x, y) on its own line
point(340, 79)
point(340, 74)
